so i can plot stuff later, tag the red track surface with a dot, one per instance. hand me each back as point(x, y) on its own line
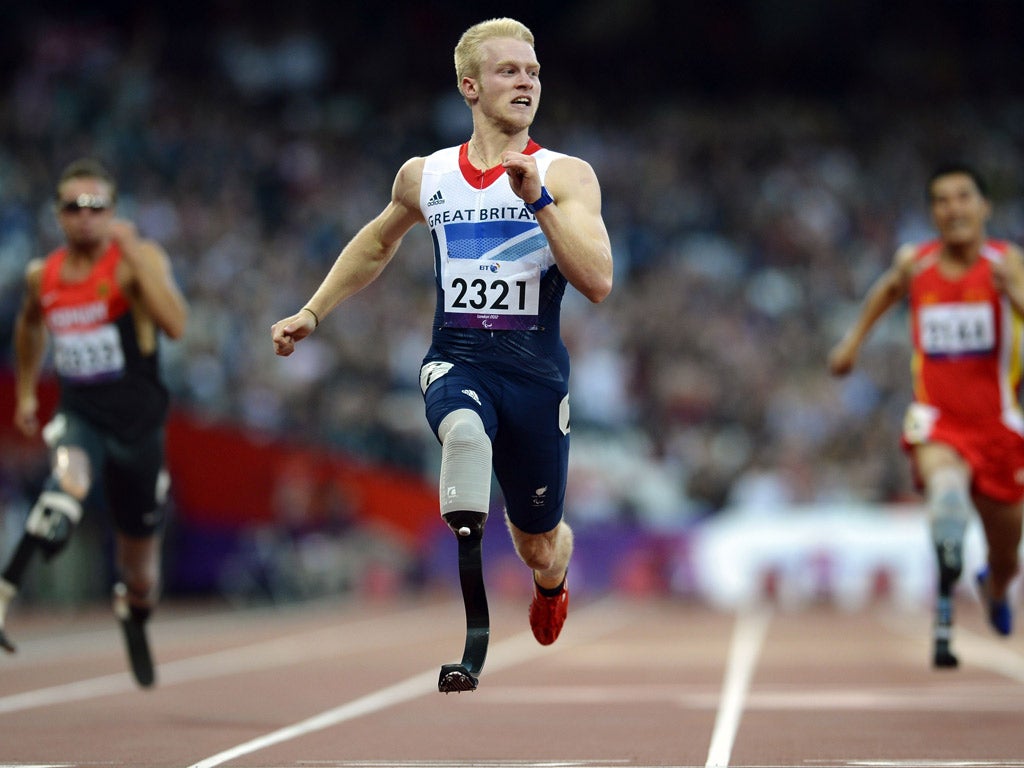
point(629, 683)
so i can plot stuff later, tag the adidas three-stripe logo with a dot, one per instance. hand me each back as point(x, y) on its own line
point(436, 199)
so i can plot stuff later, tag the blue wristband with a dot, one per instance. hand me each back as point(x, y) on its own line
point(540, 202)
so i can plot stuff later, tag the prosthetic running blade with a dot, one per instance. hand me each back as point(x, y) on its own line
point(135, 641)
point(139, 656)
point(456, 678)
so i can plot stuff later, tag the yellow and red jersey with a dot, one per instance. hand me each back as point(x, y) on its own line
point(967, 340)
point(966, 369)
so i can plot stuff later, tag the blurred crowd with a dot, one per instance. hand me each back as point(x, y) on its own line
point(745, 232)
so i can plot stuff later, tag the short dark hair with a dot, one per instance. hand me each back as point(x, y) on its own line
point(948, 169)
point(86, 168)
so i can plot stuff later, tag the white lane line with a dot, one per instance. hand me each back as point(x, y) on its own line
point(932, 764)
point(747, 638)
point(509, 653)
point(990, 652)
point(61, 694)
point(408, 689)
point(328, 642)
point(93, 631)
point(972, 699)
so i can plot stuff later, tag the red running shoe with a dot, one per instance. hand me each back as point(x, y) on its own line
point(547, 614)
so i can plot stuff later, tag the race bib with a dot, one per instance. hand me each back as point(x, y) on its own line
point(496, 295)
point(89, 356)
point(956, 329)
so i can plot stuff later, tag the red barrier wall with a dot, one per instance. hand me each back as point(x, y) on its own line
point(226, 477)
point(229, 477)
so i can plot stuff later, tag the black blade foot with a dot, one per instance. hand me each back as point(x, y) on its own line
point(944, 658)
point(133, 629)
point(455, 678)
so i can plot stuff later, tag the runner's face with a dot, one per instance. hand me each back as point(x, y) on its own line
point(85, 208)
point(509, 83)
point(958, 209)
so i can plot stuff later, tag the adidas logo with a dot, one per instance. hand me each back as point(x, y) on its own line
point(436, 199)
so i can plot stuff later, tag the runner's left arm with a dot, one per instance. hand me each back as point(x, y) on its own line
point(152, 278)
point(572, 223)
point(1008, 276)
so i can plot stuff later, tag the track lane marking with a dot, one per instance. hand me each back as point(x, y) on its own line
point(874, 699)
point(744, 650)
point(508, 653)
point(991, 652)
point(324, 642)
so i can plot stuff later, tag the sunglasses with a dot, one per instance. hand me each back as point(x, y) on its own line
point(95, 203)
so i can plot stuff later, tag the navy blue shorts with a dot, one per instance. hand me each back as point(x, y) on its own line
point(128, 479)
point(528, 424)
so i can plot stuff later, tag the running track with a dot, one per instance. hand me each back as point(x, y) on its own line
point(646, 682)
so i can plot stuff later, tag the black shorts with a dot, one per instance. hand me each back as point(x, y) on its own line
point(128, 479)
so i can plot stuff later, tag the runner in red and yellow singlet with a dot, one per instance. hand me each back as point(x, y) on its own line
point(964, 431)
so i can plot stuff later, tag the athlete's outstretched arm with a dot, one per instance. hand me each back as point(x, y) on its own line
point(1008, 277)
point(889, 288)
point(360, 261)
point(572, 223)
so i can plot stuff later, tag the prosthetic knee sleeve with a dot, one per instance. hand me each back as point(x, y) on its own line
point(465, 486)
point(949, 507)
point(71, 470)
point(59, 508)
point(51, 521)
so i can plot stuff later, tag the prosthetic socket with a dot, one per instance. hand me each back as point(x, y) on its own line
point(465, 472)
point(949, 506)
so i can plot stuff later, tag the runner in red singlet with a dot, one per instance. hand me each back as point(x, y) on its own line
point(963, 431)
point(102, 299)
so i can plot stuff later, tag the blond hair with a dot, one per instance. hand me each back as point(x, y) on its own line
point(468, 58)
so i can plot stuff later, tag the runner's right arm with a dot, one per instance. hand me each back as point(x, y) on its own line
point(890, 287)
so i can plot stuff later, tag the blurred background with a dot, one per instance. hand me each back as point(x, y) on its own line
point(760, 162)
